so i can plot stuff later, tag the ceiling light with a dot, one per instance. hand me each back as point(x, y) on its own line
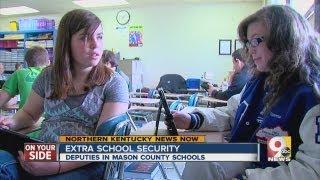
point(100, 3)
point(17, 10)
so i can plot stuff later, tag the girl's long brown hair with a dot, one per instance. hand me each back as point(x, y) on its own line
point(62, 72)
point(295, 47)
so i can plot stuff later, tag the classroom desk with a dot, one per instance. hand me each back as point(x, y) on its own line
point(172, 100)
point(146, 101)
point(213, 100)
point(170, 95)
point(173, 95)
point(148, 129)
point(138, 94)
point(196, 91)
point(143, 108)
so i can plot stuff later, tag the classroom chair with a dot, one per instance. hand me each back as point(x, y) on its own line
point(141, 114)
point(193, 100)
point(117, 126)
point(152, 93)
point(176, 105)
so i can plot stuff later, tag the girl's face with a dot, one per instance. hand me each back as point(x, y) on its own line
point(237, 65)
point(108, 64)
point(257, 46)
point(87, 50)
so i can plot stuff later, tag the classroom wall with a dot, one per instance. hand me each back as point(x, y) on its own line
point(182, 39)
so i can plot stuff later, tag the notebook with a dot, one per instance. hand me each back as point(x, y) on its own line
point(13, 142)
point(171, 127)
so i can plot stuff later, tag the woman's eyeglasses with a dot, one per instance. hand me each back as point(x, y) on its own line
point(254, 42)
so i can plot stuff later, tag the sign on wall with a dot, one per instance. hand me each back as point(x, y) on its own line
point(225, 46)
point(135, 36)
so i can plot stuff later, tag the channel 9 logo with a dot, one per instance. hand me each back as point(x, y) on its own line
point(279, 148)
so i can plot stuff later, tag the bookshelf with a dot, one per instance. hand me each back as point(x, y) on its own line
point(13, 45)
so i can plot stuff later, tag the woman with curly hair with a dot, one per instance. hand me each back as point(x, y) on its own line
point(281, 99)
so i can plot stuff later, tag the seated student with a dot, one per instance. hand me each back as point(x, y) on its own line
point(110, 59)
point(2, 76)
point(281, 99)
point(76, 96)
point(17, 66)
point(20, 82)
point(239, 78)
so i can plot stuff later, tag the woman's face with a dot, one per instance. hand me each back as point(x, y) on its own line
point(87, 50)
point(237, 65)
point(257, 46)
point(108, 64)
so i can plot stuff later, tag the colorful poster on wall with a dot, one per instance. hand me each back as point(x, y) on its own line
point(135, 36)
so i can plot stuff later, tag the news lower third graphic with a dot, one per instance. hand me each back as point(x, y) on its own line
point(279, 148)
point(140, 148)
point(40, 152)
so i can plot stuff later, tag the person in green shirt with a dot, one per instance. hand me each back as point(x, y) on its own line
point(20, 82)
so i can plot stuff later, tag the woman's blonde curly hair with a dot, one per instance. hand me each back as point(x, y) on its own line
point(295, 47)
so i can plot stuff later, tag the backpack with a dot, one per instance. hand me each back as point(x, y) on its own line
point(173, 83)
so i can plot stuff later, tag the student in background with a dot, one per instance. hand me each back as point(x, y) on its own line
point(238, 79)
point(110, 59)
point(20, 82)
point(18, 66)
point(76, 96)
point(281, 99)
point(2, 76)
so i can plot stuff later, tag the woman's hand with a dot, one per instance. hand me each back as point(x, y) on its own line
point(38, 168)
point(211, 89)
point(7, 122)
point(182, 120)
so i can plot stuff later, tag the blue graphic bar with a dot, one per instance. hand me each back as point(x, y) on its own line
point(159, 148)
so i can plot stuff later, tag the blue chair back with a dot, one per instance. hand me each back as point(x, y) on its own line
point(176, 105)
point(193, 100)
point(152, 93)
point(118, 126)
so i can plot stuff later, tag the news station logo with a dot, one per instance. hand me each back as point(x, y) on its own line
point(40, 152)
point(279, 148)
